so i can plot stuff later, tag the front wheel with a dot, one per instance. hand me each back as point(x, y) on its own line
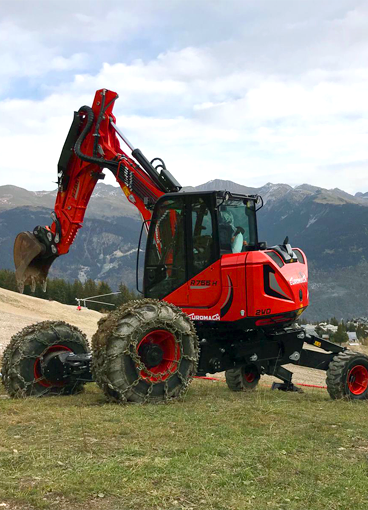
point(22, 370)
point(146, 351)
point(242, 378)
point(347, 376)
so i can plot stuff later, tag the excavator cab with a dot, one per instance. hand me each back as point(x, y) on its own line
point(189, 232)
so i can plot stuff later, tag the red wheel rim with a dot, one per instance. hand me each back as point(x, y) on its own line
point(249, 376)
point(37, 372)
point(171, 355)
point(358, 380)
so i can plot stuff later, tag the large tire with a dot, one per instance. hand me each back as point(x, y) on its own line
point(347, 376)
point(146, 351)
point(242, 378)
point(21, 367)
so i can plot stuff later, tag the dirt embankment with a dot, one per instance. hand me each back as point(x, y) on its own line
point(18, 311)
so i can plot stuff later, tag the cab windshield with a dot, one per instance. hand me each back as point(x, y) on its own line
point(237, 225)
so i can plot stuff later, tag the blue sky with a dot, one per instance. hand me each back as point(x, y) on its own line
point(251, 91)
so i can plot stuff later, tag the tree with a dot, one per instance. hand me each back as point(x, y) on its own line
point(90, 290)
point(334, 321)
point(7, 280)
point(361, 332)
point(351, 327)
point(58, 290)
point(125, 295)
point(104, 288)
point(340, 336)
point(77, 290)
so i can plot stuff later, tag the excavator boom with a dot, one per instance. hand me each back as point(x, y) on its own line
point(91, 146)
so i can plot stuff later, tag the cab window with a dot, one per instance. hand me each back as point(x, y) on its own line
point(203, 242)
point(237, 225)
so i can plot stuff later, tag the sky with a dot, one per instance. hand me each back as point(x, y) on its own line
point(252, 91)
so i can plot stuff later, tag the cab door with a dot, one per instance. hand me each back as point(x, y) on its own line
point(165, 261)
point(204, 278)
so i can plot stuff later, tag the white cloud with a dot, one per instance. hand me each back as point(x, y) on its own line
point(280, 98)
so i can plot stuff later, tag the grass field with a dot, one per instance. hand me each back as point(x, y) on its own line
point(213, 450)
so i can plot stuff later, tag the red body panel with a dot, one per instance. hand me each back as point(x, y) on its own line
point(291, 278)
point(234, 288)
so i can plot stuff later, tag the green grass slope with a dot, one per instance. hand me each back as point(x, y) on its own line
point(213, 450)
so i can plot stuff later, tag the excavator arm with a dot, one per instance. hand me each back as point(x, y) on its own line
point(91, 146)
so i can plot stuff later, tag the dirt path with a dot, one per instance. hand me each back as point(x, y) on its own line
point(18, 311)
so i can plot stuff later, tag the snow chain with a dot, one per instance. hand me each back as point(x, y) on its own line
point(17, 343)
point(108, 329)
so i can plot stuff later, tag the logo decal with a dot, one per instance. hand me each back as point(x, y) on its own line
point(296, 281)
point(202, 284)
point(263, 311)
point(194, 317)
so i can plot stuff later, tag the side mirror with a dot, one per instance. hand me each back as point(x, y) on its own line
point(262, 245)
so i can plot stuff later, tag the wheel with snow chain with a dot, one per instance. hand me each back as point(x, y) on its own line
point(22, 373)
point(242, 378)
point(146, 351)
point(347, 376)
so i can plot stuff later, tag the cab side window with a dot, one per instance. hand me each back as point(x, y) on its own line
point(165, 264)
point(203, 244)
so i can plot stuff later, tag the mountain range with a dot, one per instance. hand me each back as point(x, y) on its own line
point(330, 226)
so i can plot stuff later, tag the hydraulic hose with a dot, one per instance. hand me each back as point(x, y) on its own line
point(139, 188)
point(78, 144)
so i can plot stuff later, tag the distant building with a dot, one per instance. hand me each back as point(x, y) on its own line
point(362, 321)
point(328, 328)
point(353, 339)
point(331, 328)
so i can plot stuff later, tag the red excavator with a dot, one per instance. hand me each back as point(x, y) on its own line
point(215, 297)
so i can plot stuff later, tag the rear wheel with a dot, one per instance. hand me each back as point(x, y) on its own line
point(242, 378)
point(347, 376)
point(22, 370)
point(146, 351)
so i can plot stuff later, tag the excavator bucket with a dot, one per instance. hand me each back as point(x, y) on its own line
point(30, 267)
